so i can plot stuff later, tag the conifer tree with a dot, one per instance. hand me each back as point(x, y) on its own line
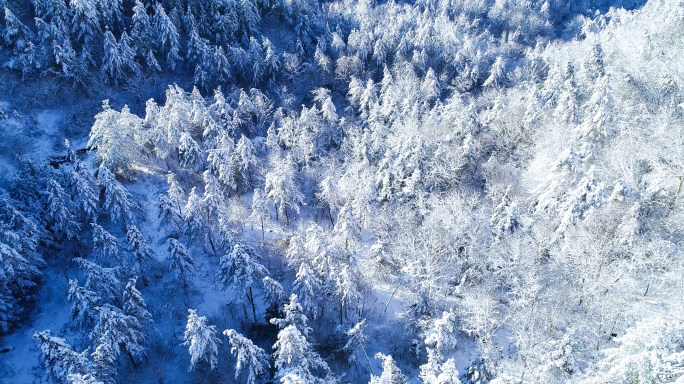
point(117, 200)
point(83, 311)
point(239, 270)
point(58, 212)
point(391, 374)
point(133, 303)
point(251, 360)
point(103, 281)
point(180, 262)
point(60, 359)
point(307, 287)
point(201, 341)
point(105, 246)
point(114, 333)
point(139, 248)
point(294, 316)
point(260, 210)
point(294, 358)
point(86, 193)
point(167, 35)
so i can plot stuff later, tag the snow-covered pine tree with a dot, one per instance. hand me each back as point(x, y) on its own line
point(119, 58)
point(85, 191)
point(440, 340)
point(444, 373)
point(85, 21)
point(84, 302)
point(221, 163)
point(190, 154)
point(356, 339)
point(180, 262)
point(251, 360)
point(142, 32)
point(505, 219)
point(282, 186)
point(246, 160)
point(133, 303)
point(273, 292)
point(106, 248)
point(59, 358)
point(201, 340)
point(167, 35)
point(295, 360)
point(240, 269)
point(294, 315)
point(346, 289)
point(103, 281)
point(347, 230)
point(139, 248)
point(308, 289)
point(15, 33)
point(116, 332)
point(260, 211)
point(59, 214)
point(391, 374)
point(117, 200)
point(116, 135)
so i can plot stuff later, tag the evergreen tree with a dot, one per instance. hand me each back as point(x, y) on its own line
point(116, 136)
point(83, 311)
point(15, 33)
point(251, 360)
point(180, 262)
point(201, 340)
point(117, 200)
point(282, 188)
point(273, 292)
point(85, 20)
point(238, 270)
point(167, 35)
point(103, 281)
point(260, 210)
point(114, 333)
point(391, 374)
point(85, 191)
point(119, 58)
point(133, 303)
point(246, 159)
point(357, 338)
point(307, 287)
point(294, 316)
point(59, 211)
point(294, 359)
point(139, 248)
point(190, 154)
point(105, 246)
point(59, 358)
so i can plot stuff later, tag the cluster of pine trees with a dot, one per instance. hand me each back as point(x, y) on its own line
point(446, 191)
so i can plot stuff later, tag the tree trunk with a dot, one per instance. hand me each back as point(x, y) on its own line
point(211, 242)
point(370, 366)
point(390, 299)
point(263, 235)
point(250, 296)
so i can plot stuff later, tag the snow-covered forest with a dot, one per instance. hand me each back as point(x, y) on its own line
point(341, 191)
